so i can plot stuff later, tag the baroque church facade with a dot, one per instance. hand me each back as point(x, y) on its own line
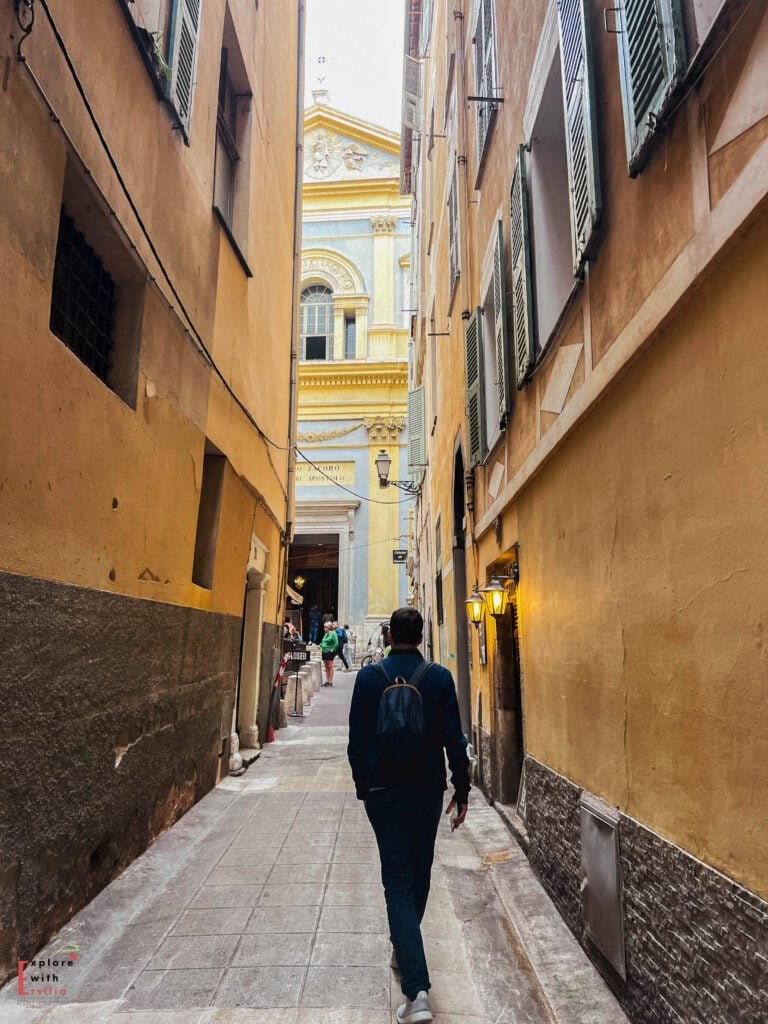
point(353, 374)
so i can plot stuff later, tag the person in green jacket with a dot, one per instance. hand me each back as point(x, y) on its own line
point(328, 647)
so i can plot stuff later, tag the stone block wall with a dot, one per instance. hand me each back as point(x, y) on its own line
point(696, 942)
point(114, 715)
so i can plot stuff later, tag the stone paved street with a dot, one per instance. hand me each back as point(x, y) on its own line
point(263, 905)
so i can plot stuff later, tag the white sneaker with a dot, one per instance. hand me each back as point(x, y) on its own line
point(414, 1011)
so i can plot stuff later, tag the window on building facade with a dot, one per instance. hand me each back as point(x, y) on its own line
point(231, 172)
point(83, 300)
point(486, 77)
point(549, 208)
point(492, 335)
point(208, 517)
point(453, 235)
point(227, 156)
point(168, 32)
point(316, 323)
point(555, 195)
point(350, 336)
point(651, 46)
point(97, 294)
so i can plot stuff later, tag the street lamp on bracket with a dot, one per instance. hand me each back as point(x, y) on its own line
point(383, 464)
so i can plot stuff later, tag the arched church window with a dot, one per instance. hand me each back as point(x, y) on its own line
point(316, 322)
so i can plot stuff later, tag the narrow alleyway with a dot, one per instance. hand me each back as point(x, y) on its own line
point(263, 906)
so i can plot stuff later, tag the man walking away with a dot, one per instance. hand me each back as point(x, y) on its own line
point(398, 765)
point(342, 640)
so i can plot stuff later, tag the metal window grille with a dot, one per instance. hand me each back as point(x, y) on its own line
point(83, 299)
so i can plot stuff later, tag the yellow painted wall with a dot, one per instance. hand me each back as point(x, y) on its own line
point(72, 447)
point(639, 509)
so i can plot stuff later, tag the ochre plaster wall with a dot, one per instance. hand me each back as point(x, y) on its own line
point(643, 564)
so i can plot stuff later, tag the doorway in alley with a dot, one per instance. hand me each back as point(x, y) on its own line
point(460, 593)
point(508, 700)
point(313, 570)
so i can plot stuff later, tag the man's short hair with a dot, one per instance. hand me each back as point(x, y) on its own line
point(406, 626)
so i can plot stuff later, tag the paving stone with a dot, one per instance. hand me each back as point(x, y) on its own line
point(254, 874)
point(161, 990)
point(212, 896)
point(156, 1017)
point(267, 987)
point(284, 1015)
point(339, 949)
point(289, 894)
point(347, 987)
point(187, 951)
point(244, 857)
point(353, 919)
point(300, 854)
point(351, 871)
point(260, 950)
point(293, 873)
point(353, 894)
point(278, 920)
point(316, 1015)
point(212, 922)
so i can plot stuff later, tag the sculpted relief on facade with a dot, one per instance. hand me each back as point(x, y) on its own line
point(332, 157)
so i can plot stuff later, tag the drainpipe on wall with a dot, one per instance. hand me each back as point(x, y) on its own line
point(290, 506)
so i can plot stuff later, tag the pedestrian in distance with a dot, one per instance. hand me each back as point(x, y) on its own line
point(347, 643)
point(403, 719)
point(340, 649)
point(315, 618)
point(329, 646)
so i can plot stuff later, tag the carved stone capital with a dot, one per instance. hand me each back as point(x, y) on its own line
point(383, 224)
point(381, 429)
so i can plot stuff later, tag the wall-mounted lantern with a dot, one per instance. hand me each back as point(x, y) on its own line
point(475, 606)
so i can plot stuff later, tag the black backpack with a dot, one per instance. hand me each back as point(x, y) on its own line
point(400, 725)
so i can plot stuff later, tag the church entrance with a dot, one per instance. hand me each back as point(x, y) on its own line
point(313, 571)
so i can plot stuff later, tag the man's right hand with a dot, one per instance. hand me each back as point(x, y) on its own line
point(460, 815)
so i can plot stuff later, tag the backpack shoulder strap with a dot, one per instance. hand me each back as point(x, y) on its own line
point(421, 670)
point(382, 671)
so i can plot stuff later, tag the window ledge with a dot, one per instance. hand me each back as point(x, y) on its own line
point(231, 239)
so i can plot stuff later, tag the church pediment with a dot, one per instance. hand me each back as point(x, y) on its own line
point(335, 151)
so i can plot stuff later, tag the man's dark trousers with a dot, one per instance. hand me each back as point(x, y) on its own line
point(405, 822)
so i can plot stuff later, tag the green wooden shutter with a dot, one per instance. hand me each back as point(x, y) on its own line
point(500, 325)
point(485, 70)
point(475, 388)
point(580, 126)
point(183, 57)
point(522, 298)
point(417, 448)
point(651, 62)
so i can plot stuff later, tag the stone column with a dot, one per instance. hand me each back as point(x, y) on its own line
point(338, 330)
point(383, 324)
point(383, 520)
point(251, 659)
point(361, 331)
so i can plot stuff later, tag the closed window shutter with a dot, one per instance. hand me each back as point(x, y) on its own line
point(475, 388)
point(453, 234)
point(580, 126)
point(651, 62)
point(500, 326)
point(522, 302)
point(411, 92)
point(183, 57)
point(485, 71)
point(417, 453)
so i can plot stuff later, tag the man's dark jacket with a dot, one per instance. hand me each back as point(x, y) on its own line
point(442, 721)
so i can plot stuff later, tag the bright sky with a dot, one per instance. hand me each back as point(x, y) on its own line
point(362, 43)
